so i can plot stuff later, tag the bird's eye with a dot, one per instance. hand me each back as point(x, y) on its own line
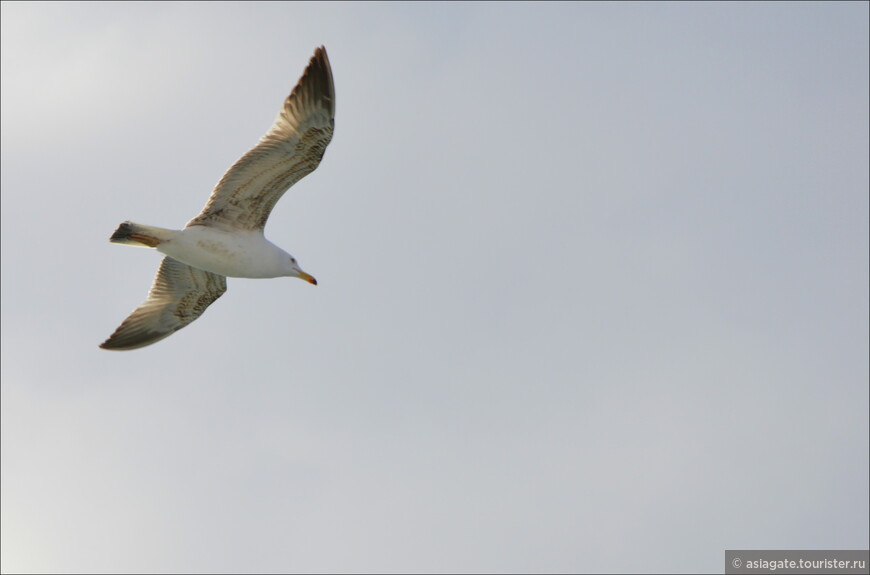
point(293, 261)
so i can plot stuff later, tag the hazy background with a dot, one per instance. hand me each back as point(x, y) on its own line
point(593, 289)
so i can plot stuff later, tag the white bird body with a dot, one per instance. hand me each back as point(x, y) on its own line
point(235, 254)
point(245, 254)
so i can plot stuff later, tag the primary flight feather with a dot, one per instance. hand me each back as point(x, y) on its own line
point(226, 239)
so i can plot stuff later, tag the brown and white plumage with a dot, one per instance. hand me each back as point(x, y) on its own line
point(226, 238)
point(289, 151)
point(178, 296)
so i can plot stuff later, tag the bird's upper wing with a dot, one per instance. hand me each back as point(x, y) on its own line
point(290, 150)
point(178, 296)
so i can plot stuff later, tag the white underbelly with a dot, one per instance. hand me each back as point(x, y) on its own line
point(244, 256)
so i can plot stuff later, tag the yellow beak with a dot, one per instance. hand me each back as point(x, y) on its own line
point(309, 278)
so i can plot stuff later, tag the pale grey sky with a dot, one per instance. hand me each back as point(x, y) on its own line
point(593, 289)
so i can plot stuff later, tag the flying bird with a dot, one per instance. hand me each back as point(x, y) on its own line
point(226, 239)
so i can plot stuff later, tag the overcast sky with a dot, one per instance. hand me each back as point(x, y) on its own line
point(593, 289)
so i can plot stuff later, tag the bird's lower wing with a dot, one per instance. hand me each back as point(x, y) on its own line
point(178, 296)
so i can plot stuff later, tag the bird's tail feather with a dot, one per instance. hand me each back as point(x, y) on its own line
point(138, 235)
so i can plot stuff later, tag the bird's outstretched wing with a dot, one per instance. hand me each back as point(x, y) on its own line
point(290, 150)
point(178, 296)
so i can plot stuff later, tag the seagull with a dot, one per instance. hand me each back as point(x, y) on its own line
point(226, 239)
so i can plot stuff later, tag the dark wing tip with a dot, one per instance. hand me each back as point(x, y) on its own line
point(317, 80)
point(125, 339)
point(113, 346)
